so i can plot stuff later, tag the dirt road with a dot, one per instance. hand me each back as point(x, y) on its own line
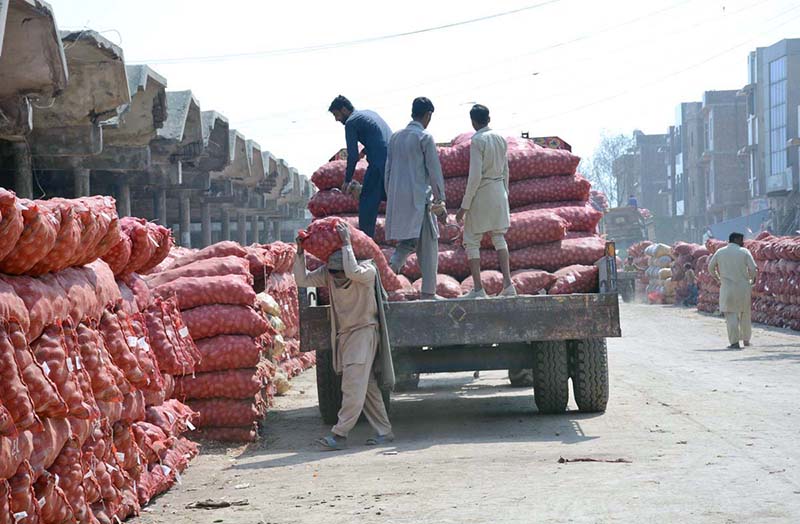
point(709, 436)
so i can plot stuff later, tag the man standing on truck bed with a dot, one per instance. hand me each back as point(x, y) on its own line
point(415, 190)
point(373, 133)
point(356, 334)
point(484, 208)
point(735, 270)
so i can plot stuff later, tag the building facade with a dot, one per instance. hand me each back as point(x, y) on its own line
point(685, 144)
point(772, 98)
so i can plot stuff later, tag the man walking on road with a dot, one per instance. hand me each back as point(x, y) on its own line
point(414, 191)
point(735, 270)
point(484, 208)
point(373, 133)
point(357, 336)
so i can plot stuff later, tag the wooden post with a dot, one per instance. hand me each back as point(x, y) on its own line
point(82, 179)
point(124, 199)
point(160, 211)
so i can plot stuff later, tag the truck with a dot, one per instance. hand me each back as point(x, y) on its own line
point(625, 226)
point(559, 337)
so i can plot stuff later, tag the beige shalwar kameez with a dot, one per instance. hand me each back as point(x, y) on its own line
point(735, 269)
point(486, 196)
point(357, 336)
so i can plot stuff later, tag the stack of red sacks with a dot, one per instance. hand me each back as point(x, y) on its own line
point(553, 226)
point(214, 290)
point(685, 253)
point(77, 365)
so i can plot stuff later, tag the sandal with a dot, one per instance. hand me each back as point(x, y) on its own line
point(332, 443)
point(379, 440)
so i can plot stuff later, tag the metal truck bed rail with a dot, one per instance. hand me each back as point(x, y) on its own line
point(480, 322)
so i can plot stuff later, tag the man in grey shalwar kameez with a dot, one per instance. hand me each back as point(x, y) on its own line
point(415, 190)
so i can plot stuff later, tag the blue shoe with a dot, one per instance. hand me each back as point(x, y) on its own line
point(332, 443)
point(379, 440)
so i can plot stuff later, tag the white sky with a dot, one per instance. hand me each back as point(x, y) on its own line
point(613, 65)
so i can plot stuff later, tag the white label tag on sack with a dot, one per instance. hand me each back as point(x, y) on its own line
point(77, 362)
point(42, 501)
point(87, 475)
point(570, 279)
point(20, 515)
point(120, 457)
point(178, 478)
point(132, 341)
point(143, 344)
point(170, 417)
point(165, 470)
point(57, 479)
point(190, 425)
point(111, 468)
point(184, 332)
point(46, 368)
point(70, 365)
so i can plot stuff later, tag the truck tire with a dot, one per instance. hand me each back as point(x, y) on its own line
point(551, 377)
point(329, 388)
point(589, 372)
point(520, 378)
point(408, 382)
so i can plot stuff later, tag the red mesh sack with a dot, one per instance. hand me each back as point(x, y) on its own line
point(7, 427)
point(212, 267)
point(13, 451)
point(67, 242)
point(446, 286)
point(43, 392)
point(553, 206)
point(133, 406)
point(95, 359)
point(181, 333)
point(492, 282)
point(70, 470)
point(143, 245)
point(129, 455)
point(167, 354)
point(80, 293)
point(102, 280)
point(332, 202)
point(47, 444)
point(6, 516)
point(104, 209)
point(121, 348)
point(282, 256)
point(43, 298)
point(140, 289)
point(575, 279)
point(550, 257)
point(455, 159)
point(164, 241)
point(11, 222)
point(227, 413)
point(228, 352)
point(331, 175)
point(220, 249)
point(13, 392)
point(530, 228)
point(321, 240)
point(53, 503)
point(242, 435)
point(12, 308)
point(532, 281)
point(50, 352)
point(152, 441)
point(173, 417)
point(135, 333)
point(238, 383)
point(210, 321)
point(153, 483)
point(200, 291)
point(118, 256)
point(24, 506)
point(37, 239)
point(524, 192)
point(531, 161)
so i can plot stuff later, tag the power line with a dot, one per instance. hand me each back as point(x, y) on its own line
point(346, 43)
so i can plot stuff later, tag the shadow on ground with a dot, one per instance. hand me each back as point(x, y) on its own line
point(454, 411)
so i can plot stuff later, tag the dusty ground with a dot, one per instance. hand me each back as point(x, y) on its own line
point(711, 436)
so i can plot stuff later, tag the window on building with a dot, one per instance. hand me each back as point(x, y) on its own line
point(710, 130)
point(777, 116)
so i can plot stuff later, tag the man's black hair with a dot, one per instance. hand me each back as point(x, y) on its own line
point(479, 114)
point(420, 106)
point(340, 102)
point(736, 236)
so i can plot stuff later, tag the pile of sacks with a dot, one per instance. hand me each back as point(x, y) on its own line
point(553, 226)
point(660, 286)
point(684, 253)
point(85, 432)
point(776, 295)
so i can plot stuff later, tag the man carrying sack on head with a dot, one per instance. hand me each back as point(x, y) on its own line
point(358, 336)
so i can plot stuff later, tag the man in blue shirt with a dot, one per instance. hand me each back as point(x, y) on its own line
point(373, 133)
